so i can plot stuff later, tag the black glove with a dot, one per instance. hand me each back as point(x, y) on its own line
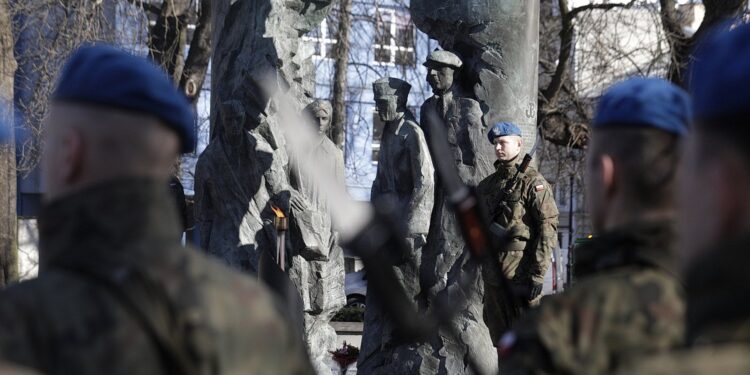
point(536, 290)
point(526, 289)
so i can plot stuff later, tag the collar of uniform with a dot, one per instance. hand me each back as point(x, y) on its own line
point(508, 169)
point(718, 297)
point(648, 244)
point(111, 218)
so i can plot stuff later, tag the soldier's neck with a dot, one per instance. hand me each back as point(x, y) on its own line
point(624, 215)
point(108, 215)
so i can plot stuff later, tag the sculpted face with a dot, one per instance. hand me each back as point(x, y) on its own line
point(387, 107)
point(232, 125)
point(440, 78)
point(507, 147)
point(322, 120)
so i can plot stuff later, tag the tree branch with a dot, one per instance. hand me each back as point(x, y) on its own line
point(567, 17)
point(681, 46)
point(578, 10)
point(152, 8)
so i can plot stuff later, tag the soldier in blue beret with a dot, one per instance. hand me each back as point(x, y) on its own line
point(116, 292)
point(522, 203)
point(714, 211)
point(626, 300)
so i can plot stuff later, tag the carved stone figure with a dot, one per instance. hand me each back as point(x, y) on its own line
point(255, 40)
point(227, 176)
point(317, 266)
point(444, 259)
point(405, 181)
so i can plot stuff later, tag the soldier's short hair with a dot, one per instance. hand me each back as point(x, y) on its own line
point(647, 159)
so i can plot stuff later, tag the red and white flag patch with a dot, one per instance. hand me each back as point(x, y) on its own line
point(539, 187)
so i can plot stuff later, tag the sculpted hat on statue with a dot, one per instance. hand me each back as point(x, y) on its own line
point(391, 87)
point(443, 58)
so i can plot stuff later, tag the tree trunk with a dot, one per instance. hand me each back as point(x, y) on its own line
point(196, 64)
point(8, 220)
point(681, 46)
point(341, 56)
point(168, 37)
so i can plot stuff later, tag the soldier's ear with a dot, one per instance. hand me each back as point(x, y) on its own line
point(73, 154)
point(730, 182)
point(607, 174)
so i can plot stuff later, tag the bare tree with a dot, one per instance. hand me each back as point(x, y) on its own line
point(170, 34)
point(682, 45)
point(41, 34)
point(341, 57)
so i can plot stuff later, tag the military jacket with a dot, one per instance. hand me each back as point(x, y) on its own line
point(718, 317)
point(117, 294)
point(530, 215)
point(625, 303)
point(405, 173)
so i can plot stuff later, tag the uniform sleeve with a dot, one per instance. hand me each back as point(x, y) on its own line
point(422, 173)
point(541, 205)
point(563, 335)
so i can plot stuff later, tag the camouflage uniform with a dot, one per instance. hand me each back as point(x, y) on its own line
point(718, 318)
point(530, 215)
point(626, 302)
point(117, 294)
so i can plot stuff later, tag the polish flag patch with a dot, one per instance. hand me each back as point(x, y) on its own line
point(539, 187)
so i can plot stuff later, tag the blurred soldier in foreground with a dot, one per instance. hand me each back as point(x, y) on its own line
point(626, 300)
point(523, 204)
point(714, 230)
point(116, 294)
point(404, 182)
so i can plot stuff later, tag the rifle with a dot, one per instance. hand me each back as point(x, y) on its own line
point(522, 168)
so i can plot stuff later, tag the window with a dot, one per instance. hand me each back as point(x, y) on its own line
point(394, 39)
point(321, 39)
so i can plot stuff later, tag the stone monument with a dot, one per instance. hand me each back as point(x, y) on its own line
point(445, 256)
point(497, 44)
point(317, 268)
point(404, 181)
point(254, 41)
point(227, 177)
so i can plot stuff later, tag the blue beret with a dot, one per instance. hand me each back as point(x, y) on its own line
point(645, 102)
point(501, 129)
point(104, 75)
point(720, 74)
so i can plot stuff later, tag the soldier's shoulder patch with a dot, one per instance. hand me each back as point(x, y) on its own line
point(539, 187)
